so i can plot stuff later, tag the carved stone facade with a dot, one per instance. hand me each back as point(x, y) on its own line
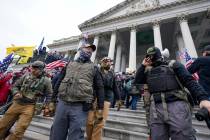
point(129, 28)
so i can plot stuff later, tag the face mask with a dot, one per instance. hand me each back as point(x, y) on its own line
point(84, 56)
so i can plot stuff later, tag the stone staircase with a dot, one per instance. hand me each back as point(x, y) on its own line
point(125, 124)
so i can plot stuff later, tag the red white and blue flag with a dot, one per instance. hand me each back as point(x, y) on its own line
point(56, 64)
point(6, 62)
point(187, 61)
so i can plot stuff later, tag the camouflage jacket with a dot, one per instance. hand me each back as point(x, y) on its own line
point(33, 89)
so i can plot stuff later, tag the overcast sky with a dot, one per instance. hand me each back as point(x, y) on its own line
point(26, 22)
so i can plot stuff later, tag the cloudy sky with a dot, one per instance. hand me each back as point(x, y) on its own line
point(26, 22)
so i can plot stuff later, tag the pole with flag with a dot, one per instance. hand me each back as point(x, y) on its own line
point(6, 62)
point(41, 46)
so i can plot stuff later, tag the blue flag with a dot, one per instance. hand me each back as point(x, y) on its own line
point(6, 62)
point(41, 45)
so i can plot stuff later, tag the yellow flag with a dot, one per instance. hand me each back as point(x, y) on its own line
point(23, 51)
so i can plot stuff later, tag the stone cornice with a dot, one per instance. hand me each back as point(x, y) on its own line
point(63, 41)
point(137, 13)
point(122, 4)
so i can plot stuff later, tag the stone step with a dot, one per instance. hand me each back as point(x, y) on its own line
point(128, 111)
point(127, 118)
point(31, 135)
point(40, 127)
point(128, 126)
point(121, 134)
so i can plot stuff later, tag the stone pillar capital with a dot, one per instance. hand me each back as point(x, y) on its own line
point(132, 27)
point(156, 23)
point(182, 18)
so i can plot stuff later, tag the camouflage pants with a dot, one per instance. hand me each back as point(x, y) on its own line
point(177, 127)
point(23, 114)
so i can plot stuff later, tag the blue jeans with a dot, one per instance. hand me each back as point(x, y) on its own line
point(70, 119)
point(134, 101)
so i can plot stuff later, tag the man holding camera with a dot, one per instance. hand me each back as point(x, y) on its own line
point(170, 115)
point(27, 90)
point(82, 82)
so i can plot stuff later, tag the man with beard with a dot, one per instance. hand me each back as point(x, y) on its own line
point(26, 90)
point(94, 123)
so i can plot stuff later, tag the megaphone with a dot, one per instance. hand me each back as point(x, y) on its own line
point(165, 53)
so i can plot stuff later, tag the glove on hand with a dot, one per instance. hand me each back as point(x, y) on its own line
point(99, 115)
point(49, 110)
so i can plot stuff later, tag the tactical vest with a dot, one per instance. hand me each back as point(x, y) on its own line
point(162, 79)
point(32, 88)
point(77, 85)
point(163, 82)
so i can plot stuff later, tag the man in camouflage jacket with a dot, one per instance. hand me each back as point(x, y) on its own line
point(27, 90)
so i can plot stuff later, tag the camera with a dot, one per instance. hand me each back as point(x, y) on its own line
point(203, 115)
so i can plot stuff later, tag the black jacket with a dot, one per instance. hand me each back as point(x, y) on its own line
point(111, 89)
point(197, 92)
point(202, 66)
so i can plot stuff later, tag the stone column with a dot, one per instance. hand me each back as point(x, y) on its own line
point(123, 63)
point(95, 42)
point(132, 55)
point(181, 46)
point(157, 35)
point(188, 41)
point(118, 59)
point(112, 45)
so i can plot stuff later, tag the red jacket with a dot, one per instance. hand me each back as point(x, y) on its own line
point(5, 87)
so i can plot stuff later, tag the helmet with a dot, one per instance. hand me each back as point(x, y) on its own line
point(38, 64)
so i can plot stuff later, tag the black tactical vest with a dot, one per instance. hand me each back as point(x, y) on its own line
point(162, 79)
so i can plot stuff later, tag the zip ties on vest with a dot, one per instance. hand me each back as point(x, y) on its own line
point(165, 109)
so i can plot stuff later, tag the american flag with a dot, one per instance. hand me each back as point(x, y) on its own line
point(55, 64)
point(188, 61)
point(6, 62)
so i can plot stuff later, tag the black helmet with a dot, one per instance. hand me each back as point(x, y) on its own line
point(38, 64)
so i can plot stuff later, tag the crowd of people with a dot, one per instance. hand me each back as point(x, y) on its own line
point(79, 94)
